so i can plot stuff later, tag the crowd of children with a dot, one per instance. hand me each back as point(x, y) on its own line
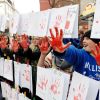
point(81, 55)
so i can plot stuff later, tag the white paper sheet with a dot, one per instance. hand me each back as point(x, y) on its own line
point(26, 76)
point(58, 85)
point(83, 88)
point(24, 24)
point(13, 23)
point(95, 33)
point(8, 69)
point(3, 88)
point(1, 66)
point(39, 23)
point(42, 82)
point(17, 72)
point(52, 84)
point(71, 26)
point(14, 95)
point(3, 23)
point(57, 18)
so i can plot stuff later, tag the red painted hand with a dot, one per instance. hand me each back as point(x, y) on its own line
point(44, 45)
point(3, 43)
point(15, 45)
point(97, 54)
point(56, 42)
point(24, 41)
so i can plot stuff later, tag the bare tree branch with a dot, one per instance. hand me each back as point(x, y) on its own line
point(51, 3)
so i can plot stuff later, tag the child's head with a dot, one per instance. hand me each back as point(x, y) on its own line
point(89, 43)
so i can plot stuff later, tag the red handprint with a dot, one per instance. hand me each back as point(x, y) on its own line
point(43, 83)
point(79, 92)
point(24, 41)
point(56, 42)
point(15, 45)
point(58, 21)
point(97, 54)
point(3, 43)
point(54, 87)
point(27, 75)
point(44, 45)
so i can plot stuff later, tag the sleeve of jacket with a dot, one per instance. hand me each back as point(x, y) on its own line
point(73, 55)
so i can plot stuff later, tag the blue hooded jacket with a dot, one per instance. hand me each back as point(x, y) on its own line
point(82, 61)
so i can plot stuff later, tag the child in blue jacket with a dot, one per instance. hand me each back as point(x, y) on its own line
point(83, 59)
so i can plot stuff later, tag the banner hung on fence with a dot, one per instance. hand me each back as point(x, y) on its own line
point(52, 84)
point(82, 88)
point(26, 76)
point(8, 69)
point(17, 71)
point(1, 66)
point(65, 18)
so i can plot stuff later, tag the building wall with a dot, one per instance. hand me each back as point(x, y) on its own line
point(2, 7)
point(7, 7)
point(44, 4)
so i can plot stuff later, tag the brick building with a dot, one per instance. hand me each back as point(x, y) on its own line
point(46, 4)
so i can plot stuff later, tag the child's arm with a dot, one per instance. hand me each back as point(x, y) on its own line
point(45, 49)
point(71, 54)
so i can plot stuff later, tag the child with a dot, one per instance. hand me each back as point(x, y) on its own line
point(48, 60)
point(82, 60)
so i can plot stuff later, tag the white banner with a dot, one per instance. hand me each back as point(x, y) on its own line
point(8, 69)
point(26, 76)
point(71, 26)
point(17, 71)
point(96, 23)
point(52, 84)
point(14, 24)
point(3, 23)
point(39, 23)
point(24, 24)
point(65, 18)
point(83, 88)
point(1, 66)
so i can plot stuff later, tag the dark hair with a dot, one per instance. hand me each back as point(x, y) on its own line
point(88, 34)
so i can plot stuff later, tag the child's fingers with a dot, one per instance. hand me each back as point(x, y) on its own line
point(67, 45)
point(57, 33)
point(61, 34)
point(97, 49)
point(52, 36)
point(50, 42)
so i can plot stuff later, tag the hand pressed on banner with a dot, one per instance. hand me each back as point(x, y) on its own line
point(44, 45)
point(24, 41)
point(15, 45)
point(3, 43)
point(97, 53)
point(56, 41)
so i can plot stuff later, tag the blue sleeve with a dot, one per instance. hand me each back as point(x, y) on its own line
point(73, 55)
